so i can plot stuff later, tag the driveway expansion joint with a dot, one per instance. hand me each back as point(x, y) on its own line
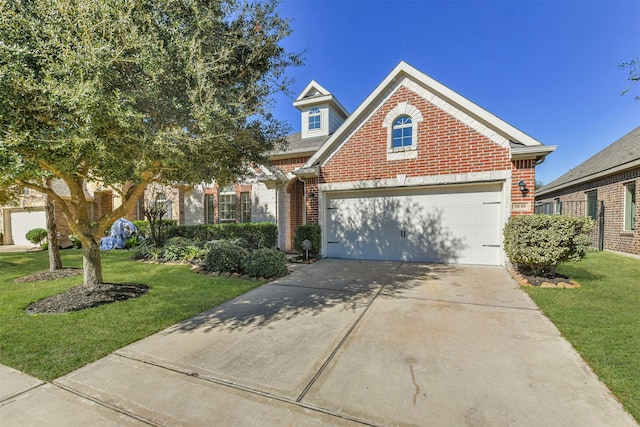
point(231, 384)
point(105, 404)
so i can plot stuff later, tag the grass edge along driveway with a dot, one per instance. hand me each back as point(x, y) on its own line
point(48, 346)
point(601, 319)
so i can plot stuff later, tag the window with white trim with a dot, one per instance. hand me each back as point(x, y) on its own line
point(314, 119)
point(630, 206)
point(227, 204)
point(163, 206)
point(245, 207)
point(402, 131)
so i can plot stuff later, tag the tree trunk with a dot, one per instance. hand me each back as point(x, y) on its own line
point(55, 263)
point(92, 262)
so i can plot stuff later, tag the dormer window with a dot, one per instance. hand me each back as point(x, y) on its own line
point(402, 132)
point(314, 119)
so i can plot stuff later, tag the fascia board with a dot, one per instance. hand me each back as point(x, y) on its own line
point(328, 99)
point(518, 153)
point(312, 85)
point(611, 171)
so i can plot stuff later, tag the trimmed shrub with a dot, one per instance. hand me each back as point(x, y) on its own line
point(143, 227)
point(36, 236)
point(309, 232)
point(538, 243)
point(266, 263)
point(256, 234)
point(222, 255)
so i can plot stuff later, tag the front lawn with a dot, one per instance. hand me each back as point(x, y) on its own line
point(51, 345)
point(602, 319)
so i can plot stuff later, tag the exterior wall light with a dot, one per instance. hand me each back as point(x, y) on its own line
point(523, 187)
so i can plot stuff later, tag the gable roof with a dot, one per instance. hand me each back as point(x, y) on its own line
point(620, 155)
point(522, 143)
point(314, 94)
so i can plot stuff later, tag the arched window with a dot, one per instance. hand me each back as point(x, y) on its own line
point(314, 119)
point(402, 132)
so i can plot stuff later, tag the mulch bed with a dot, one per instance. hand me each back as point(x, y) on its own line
point(50, 275)
point(79, 297)
point(548, 281)
point(83, 296)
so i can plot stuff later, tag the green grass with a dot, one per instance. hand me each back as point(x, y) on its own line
point(602, 319)
point(51, 345)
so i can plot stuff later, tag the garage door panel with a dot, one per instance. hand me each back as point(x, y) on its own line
point(24, 221)
point(432, 226)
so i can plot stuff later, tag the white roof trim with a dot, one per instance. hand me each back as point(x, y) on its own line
point(312, 85)
point(403, 69)
point(531, 151)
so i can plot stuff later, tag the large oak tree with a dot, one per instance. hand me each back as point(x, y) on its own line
point(131, 92)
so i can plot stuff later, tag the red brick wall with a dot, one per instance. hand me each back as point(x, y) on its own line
point(296, 206)
point(311, 202)
point(523, 170)
point(289, 165)
point(445, 146)
point(611, 191)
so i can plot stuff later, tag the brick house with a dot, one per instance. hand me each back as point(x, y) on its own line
point(417, 172)
point(604, 187)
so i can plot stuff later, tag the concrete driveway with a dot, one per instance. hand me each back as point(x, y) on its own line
point(340, 343)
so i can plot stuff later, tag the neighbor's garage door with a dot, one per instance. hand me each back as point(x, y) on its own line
point(445, 224)
point(22, 222)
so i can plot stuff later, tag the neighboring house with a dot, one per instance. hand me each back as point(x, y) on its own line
point(604, 187)
point(416, 173)
point(29, 212)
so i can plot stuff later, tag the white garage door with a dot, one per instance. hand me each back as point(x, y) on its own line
point(22, 222)
point(445, 224)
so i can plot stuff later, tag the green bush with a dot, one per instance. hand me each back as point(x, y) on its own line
point(538, 243)
point(256, 234)
point(222, 255)
point(132, 242)
point(144, 231)
point(147, 251)
point(309, 232)
point(36, 236)
point(183, 249)
point(76, 242)
point(266, 263)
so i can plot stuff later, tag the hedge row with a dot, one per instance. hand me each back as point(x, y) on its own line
point(257, 234)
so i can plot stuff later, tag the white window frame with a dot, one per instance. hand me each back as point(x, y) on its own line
point(245, 206)
point(227, 198)
point(630, 206)
point(408, 151)
point(316, 115)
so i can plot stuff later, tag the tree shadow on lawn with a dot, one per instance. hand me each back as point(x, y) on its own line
point(323, 287)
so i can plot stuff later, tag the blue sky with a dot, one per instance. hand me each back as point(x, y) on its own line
point(549, 68)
